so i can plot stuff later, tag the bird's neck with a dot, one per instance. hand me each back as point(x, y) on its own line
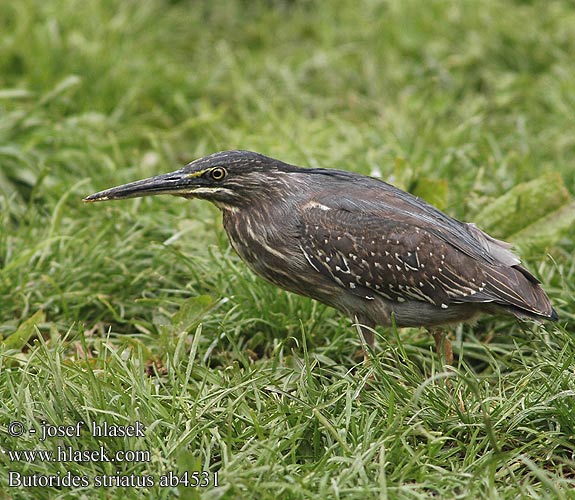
point(263, 240)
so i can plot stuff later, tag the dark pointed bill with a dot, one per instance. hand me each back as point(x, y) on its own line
point(177, 182)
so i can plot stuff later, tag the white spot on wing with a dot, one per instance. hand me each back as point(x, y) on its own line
point(315, 204)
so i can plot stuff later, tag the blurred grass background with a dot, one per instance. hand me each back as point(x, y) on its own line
point(139, 310)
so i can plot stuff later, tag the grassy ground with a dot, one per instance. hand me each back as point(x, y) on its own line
point(139, 311)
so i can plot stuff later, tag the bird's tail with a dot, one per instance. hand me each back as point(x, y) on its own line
point(518, 291)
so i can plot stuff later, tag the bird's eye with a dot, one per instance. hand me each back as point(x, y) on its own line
point(218, 173)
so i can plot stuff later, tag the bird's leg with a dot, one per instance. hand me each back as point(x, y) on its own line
point(443, 345)
point(365, 330)
point(368, 336)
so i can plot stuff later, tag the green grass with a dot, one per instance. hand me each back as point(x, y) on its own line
point(139, 310)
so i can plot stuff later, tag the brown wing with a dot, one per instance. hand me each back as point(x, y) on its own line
point(369, 254)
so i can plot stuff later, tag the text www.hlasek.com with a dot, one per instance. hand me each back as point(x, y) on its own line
point(69, 454)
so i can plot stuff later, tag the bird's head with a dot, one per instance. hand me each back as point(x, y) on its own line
point(228, 179)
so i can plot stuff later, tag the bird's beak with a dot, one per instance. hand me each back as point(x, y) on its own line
point(179, 182)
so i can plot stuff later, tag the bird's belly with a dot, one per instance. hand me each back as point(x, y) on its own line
point(380, 311)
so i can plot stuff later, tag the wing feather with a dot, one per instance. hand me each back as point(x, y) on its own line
point(403, 260)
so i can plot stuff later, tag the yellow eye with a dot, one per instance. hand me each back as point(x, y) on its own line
point(218, 173)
